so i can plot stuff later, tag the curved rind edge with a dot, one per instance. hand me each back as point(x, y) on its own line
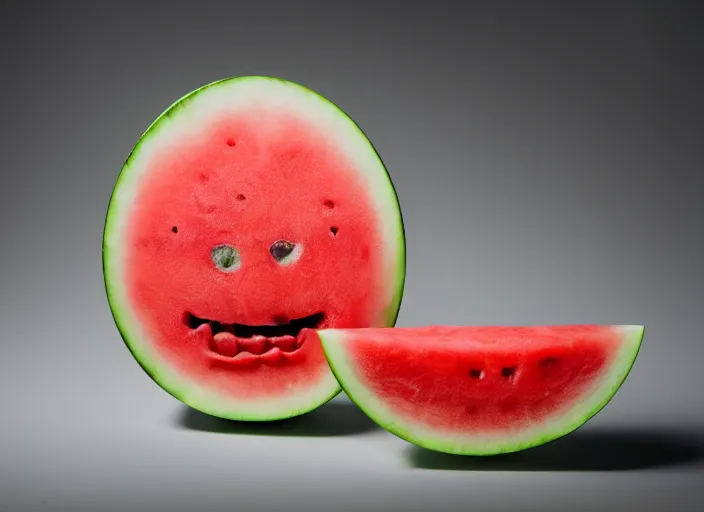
point(333, 346)
point(324, 391)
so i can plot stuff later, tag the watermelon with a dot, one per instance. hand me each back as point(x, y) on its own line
point(252, 212)
point(482, 390)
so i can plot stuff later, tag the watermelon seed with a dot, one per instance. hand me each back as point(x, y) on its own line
point(548, 362)
point(240, 197)
point(231, 142)
point(476, 373)
point(334, 230)
point(508, 372)
point(174, 229)
point(329, 204)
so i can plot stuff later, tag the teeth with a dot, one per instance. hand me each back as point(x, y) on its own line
point(226, 344)
point(272, 355)
point(255, 345)
point(245, 358)
point(284, 343)
point(228, 341)
point(204, 329)
point(301, 338)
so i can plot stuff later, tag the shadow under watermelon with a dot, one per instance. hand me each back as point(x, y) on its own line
point(603, 449)
point(339, 417)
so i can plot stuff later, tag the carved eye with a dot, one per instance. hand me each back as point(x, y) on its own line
point(285, 252)
point(226, 258)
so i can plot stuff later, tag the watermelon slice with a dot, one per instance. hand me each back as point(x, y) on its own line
point(482, 390)
point(251, 212)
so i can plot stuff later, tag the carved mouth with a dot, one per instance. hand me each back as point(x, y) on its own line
point(232, 340)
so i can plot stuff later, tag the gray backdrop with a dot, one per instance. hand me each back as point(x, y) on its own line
point(549, 165)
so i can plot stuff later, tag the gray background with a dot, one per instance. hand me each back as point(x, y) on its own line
point(549, 165)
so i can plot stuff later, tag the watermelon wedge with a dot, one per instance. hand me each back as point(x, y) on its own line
point(250, 213)
point(482, 390)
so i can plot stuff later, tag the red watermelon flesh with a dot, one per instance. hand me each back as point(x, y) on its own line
point(482, 390)
point(312, 237)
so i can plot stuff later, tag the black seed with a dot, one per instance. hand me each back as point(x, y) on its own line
point(548, 362)
point(508, 371)
point(334, 230)
point(476, 373)
point(174, 229)
point(329, 204)
point(280, 249)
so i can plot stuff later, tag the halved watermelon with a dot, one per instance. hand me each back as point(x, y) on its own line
point(251, 212)
point(482, 390)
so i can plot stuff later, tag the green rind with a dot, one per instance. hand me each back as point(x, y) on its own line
point(334, 348)
point(170, 382)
